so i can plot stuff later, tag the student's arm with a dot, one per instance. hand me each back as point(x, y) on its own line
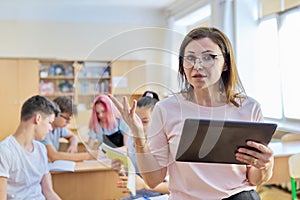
point(3, 186)
point(47, 188)
point(91, 142)
point(53, 155)
point(73, 142)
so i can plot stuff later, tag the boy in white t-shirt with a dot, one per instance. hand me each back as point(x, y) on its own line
point(24, 172)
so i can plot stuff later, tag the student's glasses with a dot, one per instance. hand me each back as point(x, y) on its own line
point(66, 118)
point(205, 60)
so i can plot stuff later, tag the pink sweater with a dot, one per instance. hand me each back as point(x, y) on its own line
point(197, 180)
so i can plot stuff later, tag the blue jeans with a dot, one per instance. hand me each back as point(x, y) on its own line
point(245, 195)
point(140, 193)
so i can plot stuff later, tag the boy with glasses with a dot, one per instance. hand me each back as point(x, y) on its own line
point(60, 130)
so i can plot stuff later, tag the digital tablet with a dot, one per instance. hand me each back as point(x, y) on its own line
point(216, 141)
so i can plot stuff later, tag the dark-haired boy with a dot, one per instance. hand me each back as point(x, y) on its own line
point(24, 172)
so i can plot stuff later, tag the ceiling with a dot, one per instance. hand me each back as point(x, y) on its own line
point(160, 4)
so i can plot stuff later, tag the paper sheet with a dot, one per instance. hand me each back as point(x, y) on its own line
point(113, 153)
point(62, 165)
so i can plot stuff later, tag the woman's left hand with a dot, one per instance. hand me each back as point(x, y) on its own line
point(129, 116)
point(259, 160)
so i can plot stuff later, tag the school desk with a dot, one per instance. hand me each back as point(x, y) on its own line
point(90, 180)
point(282, 152)
point(64, 145)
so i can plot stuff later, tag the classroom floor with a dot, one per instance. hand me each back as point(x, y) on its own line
point(273, 193)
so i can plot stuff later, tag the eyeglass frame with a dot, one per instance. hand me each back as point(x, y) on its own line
point(66, 118)
point(200, 60)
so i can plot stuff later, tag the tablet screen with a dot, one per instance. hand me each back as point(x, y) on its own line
point(217, 141)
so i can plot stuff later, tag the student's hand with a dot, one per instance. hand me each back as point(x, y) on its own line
point(129, 115)
point(259, 160)
point(122, 183)
point(116, 164)
point(97, 155)
point(140, 183)
point(72, 149)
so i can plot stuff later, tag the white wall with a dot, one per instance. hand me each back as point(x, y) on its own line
point(86, 31)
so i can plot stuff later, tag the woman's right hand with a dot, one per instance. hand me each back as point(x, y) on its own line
point(129, 116)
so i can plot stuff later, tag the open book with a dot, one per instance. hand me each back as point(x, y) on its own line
point(113, 153)
point(62, 165)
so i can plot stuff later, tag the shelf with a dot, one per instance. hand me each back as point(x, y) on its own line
point(57, 78)
point(94, 78)
point(59, 94)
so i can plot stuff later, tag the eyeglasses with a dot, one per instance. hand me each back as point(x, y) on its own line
point(66, 118)
point(206, 60)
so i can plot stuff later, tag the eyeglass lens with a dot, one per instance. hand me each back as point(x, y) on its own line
point(207, 60)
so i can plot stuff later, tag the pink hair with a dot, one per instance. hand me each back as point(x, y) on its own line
point(111, 114)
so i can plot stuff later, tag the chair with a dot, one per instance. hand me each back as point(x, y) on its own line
point(294, 170)
point(290, 137)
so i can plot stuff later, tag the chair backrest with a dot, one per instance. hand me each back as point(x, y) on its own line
point(289, 137)
point(294, 166)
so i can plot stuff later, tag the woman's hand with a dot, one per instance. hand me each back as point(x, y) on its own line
point(256, 159)
point(260, 164)
point(129, 116)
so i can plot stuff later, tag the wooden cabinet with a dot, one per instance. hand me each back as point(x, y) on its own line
point(19, 81)
point(128, 78)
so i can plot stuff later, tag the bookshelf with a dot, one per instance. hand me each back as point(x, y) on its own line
point(56, 78)
point(92, 78)
point(82, 81)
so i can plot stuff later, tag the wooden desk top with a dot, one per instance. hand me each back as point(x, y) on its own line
point(285, 148)
point(92, 166)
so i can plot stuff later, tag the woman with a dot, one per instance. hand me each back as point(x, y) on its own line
point(106, 124)
point(211, 90)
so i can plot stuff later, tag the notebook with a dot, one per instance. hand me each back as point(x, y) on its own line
point(215, 141)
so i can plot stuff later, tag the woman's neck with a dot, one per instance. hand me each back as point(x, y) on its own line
point(209, 97)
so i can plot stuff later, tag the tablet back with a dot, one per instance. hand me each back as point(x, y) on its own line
point(217, 141)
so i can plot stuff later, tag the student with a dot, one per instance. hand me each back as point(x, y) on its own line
point(144, 108)
point(106, 124)
point(24, 172)
point(60, 130)
point(211, 89)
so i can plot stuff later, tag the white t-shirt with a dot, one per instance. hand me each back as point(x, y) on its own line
point(193, 181)
point(23, 170)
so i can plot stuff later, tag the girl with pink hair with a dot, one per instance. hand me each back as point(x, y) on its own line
point(106, 124)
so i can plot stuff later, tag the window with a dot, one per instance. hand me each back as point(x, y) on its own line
point(278, 68)
point(267, 77)
point(290, 65)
